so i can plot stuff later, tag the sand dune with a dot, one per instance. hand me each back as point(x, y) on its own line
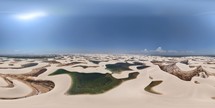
point(165, 83)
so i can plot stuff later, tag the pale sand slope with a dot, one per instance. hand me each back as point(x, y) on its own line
point(131, 94)
point(19, 90)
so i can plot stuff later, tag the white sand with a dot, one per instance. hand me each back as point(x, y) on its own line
point(19, 90)
point(176, 93)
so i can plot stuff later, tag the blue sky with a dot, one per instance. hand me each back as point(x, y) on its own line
point(152, 26)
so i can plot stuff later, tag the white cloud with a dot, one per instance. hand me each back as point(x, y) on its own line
point(160, 50)
point(145, 50)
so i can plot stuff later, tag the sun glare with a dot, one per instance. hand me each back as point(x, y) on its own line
point(30, 16)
